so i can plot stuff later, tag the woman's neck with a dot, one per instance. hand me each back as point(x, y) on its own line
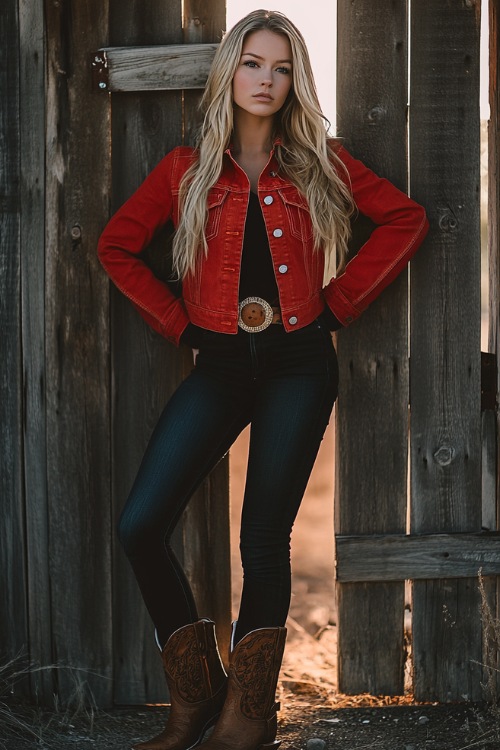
point(251, 135)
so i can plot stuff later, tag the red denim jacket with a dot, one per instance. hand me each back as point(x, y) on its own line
point(210, 295)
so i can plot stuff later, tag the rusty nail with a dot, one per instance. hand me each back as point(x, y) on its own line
point(76, 232)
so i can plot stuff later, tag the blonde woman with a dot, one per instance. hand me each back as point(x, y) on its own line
point(260, 206)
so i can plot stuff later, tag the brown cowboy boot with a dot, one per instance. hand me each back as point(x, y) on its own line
point(197, 684)
point(248, 720)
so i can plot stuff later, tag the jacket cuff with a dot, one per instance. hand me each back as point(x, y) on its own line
point(339, 305)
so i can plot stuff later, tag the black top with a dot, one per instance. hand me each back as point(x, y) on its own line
point(257, 277)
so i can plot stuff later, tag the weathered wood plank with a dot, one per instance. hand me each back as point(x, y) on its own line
point(32, 97)
point(13, 612)
point(154, 68)
point(494, 206)
point(445, 335)
point(78, 461)
point(494, 243)
point(372, 409)
point(145, 368)
point(398, 557)
point(207, 540)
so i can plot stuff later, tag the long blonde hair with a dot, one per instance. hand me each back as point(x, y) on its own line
point(304, 154)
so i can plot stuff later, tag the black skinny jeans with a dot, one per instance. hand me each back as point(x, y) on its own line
point(285, 385)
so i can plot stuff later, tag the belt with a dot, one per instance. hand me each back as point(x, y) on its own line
point(255, 314)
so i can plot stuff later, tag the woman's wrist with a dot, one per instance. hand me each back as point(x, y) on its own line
point(331, 319)
point(192, 336)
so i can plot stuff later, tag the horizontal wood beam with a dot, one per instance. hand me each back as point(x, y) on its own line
point(154, 68)
point(396, 557)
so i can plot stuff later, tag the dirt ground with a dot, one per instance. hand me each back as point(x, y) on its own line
point(308, 723)
point(313, 716)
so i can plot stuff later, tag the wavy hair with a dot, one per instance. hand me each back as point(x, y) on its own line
point(305, 155)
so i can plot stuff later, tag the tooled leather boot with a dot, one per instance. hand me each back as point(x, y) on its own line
point(248, 720)
point(197, 684)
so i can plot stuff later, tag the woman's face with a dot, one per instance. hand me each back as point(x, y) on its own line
point(263, 77)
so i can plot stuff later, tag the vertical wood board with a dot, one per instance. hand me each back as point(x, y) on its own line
point(372, 410)
point(445, 335)
point(207, 540)
point(13, 612)
point(202, 23)
point(494, 241)
point(77, 149)
point(145, 368)
point(32, 246)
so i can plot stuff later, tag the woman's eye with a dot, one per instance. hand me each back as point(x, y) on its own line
point(250, 63)
point(284, 70)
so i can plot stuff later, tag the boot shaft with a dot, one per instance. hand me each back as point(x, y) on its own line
point(192, 663)
point(254, 669)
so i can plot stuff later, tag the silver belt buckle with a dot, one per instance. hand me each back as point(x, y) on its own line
point(263, 317)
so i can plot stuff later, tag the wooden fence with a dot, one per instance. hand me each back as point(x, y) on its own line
point(92, 100)
point(432, 147)
point(83, 379)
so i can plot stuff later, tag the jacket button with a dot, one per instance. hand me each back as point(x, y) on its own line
point(293, 320)
point(283, 268)
point(268, 200)
point(273, 174)
point(278, 233)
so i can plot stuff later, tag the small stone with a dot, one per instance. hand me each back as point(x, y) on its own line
point(315, 743)
point(409, 747)
point(423, 720)
point(365, 721)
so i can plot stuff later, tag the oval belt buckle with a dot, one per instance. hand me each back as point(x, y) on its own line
point(255, 314)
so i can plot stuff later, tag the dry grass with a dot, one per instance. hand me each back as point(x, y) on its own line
point(22, 723)
point(491, 650)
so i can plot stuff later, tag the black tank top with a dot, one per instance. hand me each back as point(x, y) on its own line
point(257, 277)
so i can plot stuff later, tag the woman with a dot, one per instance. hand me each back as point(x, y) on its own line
point(260, 207)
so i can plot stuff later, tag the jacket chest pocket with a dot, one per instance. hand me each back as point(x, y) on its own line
point(297, 211)
point(215, 204)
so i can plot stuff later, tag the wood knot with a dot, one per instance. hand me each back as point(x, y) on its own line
point(376, 114)
point(448, 220)
point(444, 455)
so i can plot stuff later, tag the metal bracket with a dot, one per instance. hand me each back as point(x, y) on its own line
point(100, 73)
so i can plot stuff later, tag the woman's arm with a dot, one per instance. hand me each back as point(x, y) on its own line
point(127, 234)
point(402, 226)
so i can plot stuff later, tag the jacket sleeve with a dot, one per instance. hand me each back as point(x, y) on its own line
point(126, 235)
point(401, 228)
